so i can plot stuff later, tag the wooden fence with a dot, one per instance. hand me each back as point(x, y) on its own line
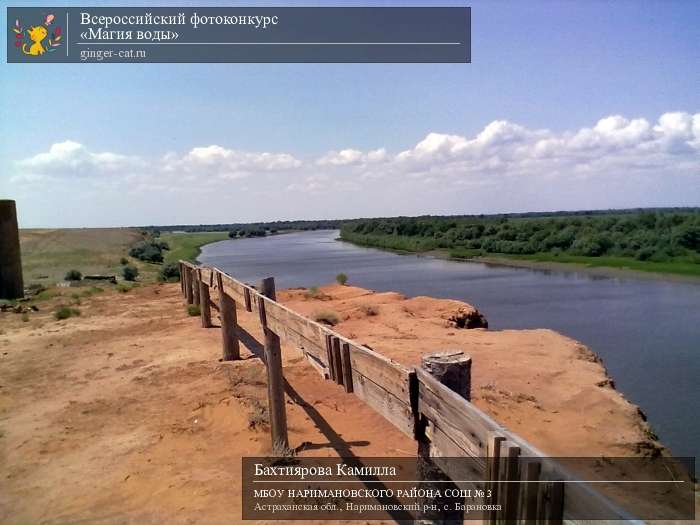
point(412, 399)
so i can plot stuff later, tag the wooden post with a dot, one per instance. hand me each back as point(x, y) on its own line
point(205, 308)
point(329, 353)
point(337, 362)
point(11, 283)
point(229, 324)
point(195, 286)
point(452, 369)
point(189, 292)
point(275, 377)
point(347, 368)
point(246, 298)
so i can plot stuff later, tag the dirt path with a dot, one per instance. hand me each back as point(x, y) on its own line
point(125, 414)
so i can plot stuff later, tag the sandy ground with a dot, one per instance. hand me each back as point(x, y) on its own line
point(126, 415)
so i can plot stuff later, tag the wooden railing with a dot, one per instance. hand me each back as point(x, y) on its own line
point(411, 399)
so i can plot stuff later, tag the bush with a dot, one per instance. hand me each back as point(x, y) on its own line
point(149, 251)
point(689, 237)
point(313, 293)
point(341, 278)
point(73, 275)
point(193, 310)
point(123, 261)
point(369, 310)
point(123, 288)
point(328, 317)
point(130, 273)
point(645, 253)
point(169, 273)
point(64, 312)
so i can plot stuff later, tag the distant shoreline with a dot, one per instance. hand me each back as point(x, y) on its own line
point(597, 271)
point(546, 266)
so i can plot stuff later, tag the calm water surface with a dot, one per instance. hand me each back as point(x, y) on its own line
point(647, 332)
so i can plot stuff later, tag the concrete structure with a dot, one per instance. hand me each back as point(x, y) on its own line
point(11, 284)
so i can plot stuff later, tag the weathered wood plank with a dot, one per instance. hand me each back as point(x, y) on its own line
point(465, 424)
point(385, 372)
point(206, 274)
point(347, 367)
point(394, 410)
point(290, 337)
point(337, 362)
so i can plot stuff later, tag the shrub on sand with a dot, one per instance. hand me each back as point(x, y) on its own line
point(328, 317)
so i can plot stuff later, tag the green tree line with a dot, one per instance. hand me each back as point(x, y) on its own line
point(658, 236)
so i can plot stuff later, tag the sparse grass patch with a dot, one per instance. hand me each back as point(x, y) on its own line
point(328, 317)
point(258, 417)
point(65, 312)
point(369, 310)
point(45, 295)
point(91, 291)
point(25, 317)
point(315, 293)
point(124, 288)
point(193, 310)
point(312, 293)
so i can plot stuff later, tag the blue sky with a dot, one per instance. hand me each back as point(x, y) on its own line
point(542, 78)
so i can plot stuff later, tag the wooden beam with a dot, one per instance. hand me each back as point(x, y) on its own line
point(275, 377)
point(204, 307)
point(195, 286)
point(189, 295)
point(347, 367)
point(229, 325)
point(337, 361)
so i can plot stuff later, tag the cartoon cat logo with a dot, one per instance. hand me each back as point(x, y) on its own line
point(37, 35)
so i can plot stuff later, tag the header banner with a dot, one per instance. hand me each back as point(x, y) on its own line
point(38, 35)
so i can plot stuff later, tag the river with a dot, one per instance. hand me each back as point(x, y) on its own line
point(646, 331)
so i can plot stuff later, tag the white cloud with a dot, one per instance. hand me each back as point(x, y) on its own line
point(615, 162)
point(352, 157)
point(66, 159)
point(615, 145)
point(228, 163)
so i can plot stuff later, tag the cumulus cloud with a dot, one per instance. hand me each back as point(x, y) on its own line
point(615, 149)
point(352, 157)
point(504, 148)
point(73, 159)
point(228, 163)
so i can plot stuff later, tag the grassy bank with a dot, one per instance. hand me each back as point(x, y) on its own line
point(47, 254)
point(187, 246)
point(685, 265)
point(680, 266)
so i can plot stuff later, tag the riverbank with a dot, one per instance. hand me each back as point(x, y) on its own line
point(582, 265)
point(589, 265)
